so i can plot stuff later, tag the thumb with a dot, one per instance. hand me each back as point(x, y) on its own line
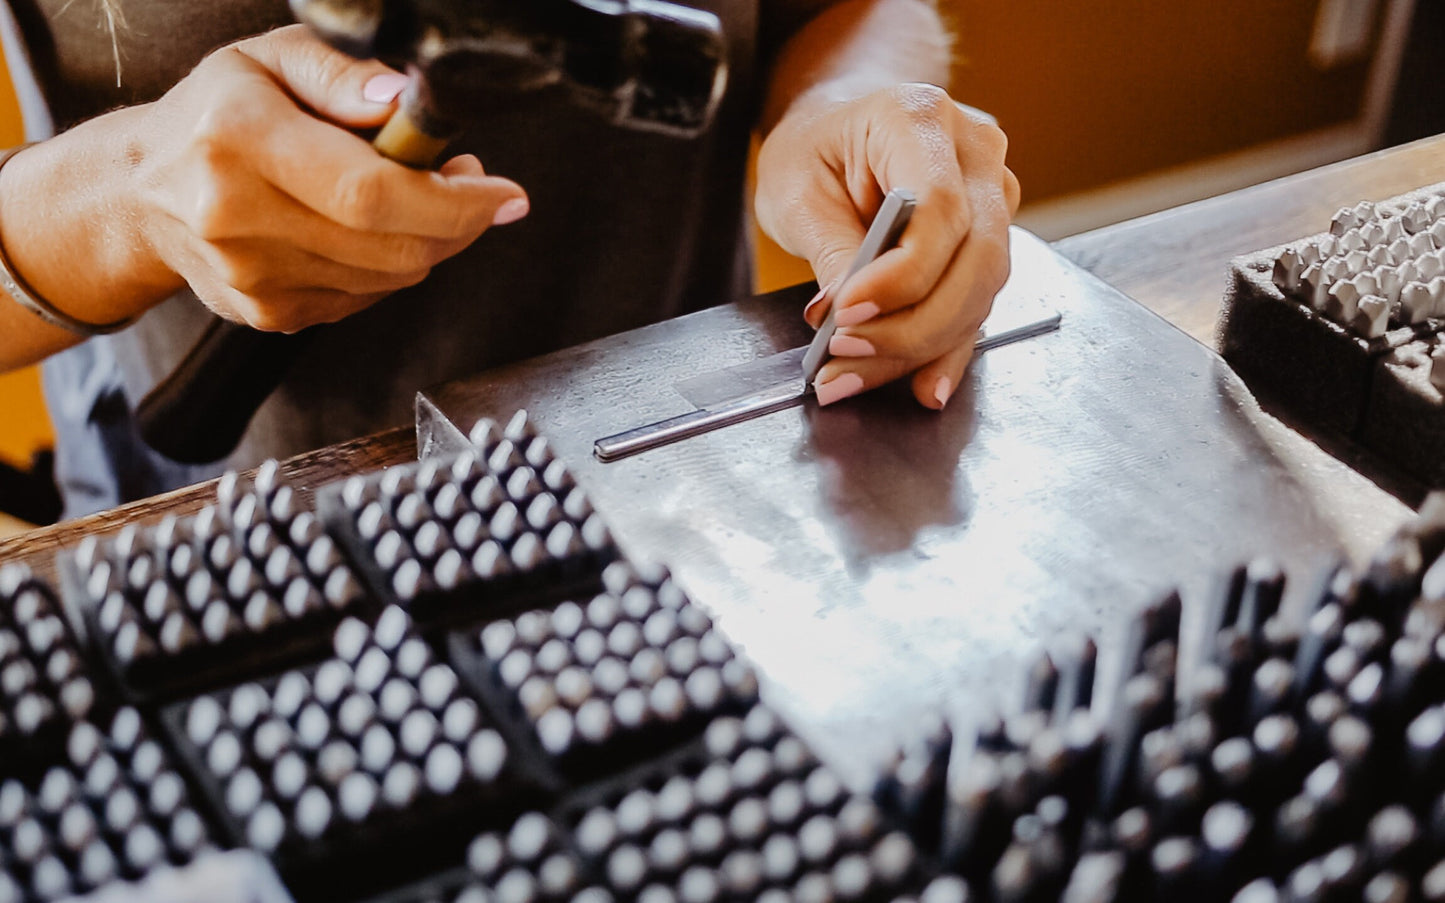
point(352, 93)
point(829, 240)
point(837, 241)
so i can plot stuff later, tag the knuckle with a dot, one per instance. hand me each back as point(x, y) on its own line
point(959, 216)
point(358, 200)
point(406, 280)
point(994, 141)
point(916, 282)
point(262, 317)
point(832, 260)
point(912, 345)
point(975, 323)
point(924, 100)
point(326, 67)
point(952, 207)
point(249, 279)
point(949, 198)
point(469, 220)
point(996, 267)
point(273, 315)
point(218, 131)
point(222, 302)
point(219, 61)
point(410, 253)
point(240, 271)
point(210, 216)
point(235, 273)
point(1000, 139)
point(1013, 190)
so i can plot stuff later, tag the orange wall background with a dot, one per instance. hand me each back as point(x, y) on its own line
point(1091, 93)
point(1094, 93)
point(24, 427)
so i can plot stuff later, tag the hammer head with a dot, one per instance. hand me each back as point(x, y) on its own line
point(640, 64)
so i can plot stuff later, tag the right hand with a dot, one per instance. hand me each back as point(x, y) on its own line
point(252, 188)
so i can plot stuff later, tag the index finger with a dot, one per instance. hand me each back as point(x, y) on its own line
point(343, 178)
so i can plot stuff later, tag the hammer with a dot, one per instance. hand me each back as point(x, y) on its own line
point(639, 64)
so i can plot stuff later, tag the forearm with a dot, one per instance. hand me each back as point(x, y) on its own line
point(68, 225)
point(852, 48)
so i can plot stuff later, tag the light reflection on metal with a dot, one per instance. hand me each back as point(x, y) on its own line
point(877, 559)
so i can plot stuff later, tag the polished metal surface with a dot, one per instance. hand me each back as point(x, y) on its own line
point(787, 388)
point(876, 558)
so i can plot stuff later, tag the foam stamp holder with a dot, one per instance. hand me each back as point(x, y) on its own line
point(1341, 333)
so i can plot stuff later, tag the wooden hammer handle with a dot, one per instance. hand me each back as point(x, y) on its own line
point(402, 139)
point(199, 412)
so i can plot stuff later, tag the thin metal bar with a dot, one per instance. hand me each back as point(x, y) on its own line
point(987, 340)
point(786, 395)
point(695, 423)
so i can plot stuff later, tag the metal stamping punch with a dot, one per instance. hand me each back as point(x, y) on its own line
point(887, 227)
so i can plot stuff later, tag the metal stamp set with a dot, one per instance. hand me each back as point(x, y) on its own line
point(451, 684)
point(1343, 330)
point(494, 522)
point(248, 581)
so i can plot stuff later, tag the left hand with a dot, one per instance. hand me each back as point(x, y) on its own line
point(822, 174)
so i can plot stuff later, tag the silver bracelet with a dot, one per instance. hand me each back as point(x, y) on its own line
point(16, 288)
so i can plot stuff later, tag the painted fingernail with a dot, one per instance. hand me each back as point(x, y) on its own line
point(384, 88)
point(839, 387)
point(850, 346)
point(511, 211)
point(943, 390)
point(857, 313)
point(817, 299)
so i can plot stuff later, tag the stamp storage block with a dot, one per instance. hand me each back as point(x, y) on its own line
point(603, 683)
point(531, 860)
point(489, 531)
point(1318, 369)
point(750, 814)
point(371, 768)
point(249, 585)
point(45, 683)
point(113, 808)
point(1327, 328)
point(1406, 420)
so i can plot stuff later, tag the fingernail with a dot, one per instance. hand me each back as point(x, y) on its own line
point(838, 388)
point(384, 88)
point(850, 346)
point(943, 390)
point(817, 299)
point(857, 313)
point(511, 211)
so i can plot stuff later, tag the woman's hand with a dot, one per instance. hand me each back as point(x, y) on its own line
point(251, 186)
point(822, 174)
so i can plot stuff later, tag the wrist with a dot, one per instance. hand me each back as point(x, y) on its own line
point(813, 103)
point(70, 226)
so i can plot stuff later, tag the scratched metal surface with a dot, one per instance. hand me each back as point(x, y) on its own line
point(875, 558)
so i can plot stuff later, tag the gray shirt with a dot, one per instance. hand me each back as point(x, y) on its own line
point(625, 229)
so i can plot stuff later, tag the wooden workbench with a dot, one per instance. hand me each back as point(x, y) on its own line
point(1173, 262)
